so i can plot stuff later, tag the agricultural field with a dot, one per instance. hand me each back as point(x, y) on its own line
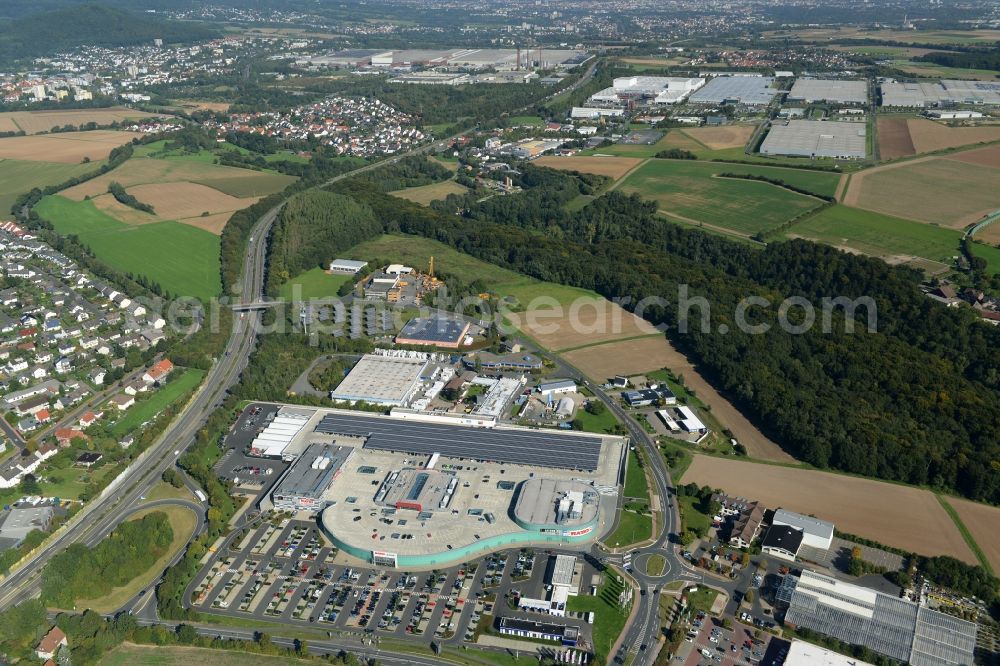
point(18, 177)
point(65, 148)
point(35, 122)
point(612, 167)
point(693, 193)
point(721, 138)
point(892, 239)
point(902, 137)
point(988, 252)
point(900, 516)
point(826, 35)
point(314, 283)
point(947, 190)
point(981, 521)
point(424, 194)
point(241, 183)
point(184, 260)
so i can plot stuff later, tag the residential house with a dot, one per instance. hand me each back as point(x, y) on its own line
point(158, 372)
point(122, 401)
point(50, 643)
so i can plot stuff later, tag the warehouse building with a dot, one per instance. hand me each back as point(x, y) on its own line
point(648, 89)
point(303, 485)
point(346, 266)
point(512, 626)
point(382, 380)
point(748, 90)
point(557, 386)
point(817, 138)
point(816, 533)
point(836, 91)
point(594, 113)
point(948, 92)
point(782, 541)
point(801, 653)
point(18, 522)
point(437, 331)
point(273, 440)
point(894, 627)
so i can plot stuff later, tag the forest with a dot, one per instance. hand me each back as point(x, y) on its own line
point(79, 572)
point(917, 400)
point(970, 59)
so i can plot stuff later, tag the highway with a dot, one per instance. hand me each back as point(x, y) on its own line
point(98, 518)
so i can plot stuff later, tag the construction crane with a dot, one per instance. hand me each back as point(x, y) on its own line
point(430, 267)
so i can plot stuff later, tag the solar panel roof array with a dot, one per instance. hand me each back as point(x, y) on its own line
point(539, 448)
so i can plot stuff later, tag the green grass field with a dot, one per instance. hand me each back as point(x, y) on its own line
point(534, 121)
point(635, 478)
point(19, 176)
point(146, 409)
point(990, 254)
point(691, 517)
point(416, 251)
point(314, 283)
point(602, 423)
point(69, 482)
point(184, 260)
point(632, 528)
point(609, 618)
point(878, 235)
point(691, 190)
point(425, 194)
point(174, 655)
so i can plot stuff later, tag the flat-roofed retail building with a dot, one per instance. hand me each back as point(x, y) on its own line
point(381, 380)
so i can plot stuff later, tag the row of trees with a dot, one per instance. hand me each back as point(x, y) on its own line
point(116, 190)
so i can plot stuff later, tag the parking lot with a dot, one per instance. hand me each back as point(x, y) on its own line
point(709, 642)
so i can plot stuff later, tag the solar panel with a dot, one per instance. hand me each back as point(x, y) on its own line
point(539, 448)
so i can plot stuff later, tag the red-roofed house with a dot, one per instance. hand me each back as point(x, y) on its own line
point(66, 435)
point(43, 416)
point(50, 643)
point(89, 419)
point(158, 372)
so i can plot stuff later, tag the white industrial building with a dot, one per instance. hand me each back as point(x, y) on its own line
point(594, 113)
point(556, 387)
point(815, 532)
point(801, 653)
point(690, 420)
point(952, 115)
point(817, 138)
point(274, 439)
point(837, 91)
point(748, 90)
point(649, 89)
point(382, 380)
point(346, 266)
point(946, 93)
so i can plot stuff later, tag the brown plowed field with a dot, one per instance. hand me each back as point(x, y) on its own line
point(988, 156)
point(612, 167)
point(908, 518)
point(66, 147)
point(983, 522)
point(894, 139)
point(584, 321)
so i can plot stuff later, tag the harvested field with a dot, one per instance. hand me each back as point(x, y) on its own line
point(214, 224)
point(220, 107)
point(425, 194)
point(720, 138)
point(18, 177)
point(612, 167)
point(894, 138)
point(582, 321)
point(628, 357)
point(679, 139)
point(903, 517)
point(65, 148)
point(990, 234)
point(982, 521)
point(108, 204)
point(143, 170)
point(7, 124)
point(34, 122)
point(988, 156)
point(928, 135)
point(936, 190)
point(176, 201)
